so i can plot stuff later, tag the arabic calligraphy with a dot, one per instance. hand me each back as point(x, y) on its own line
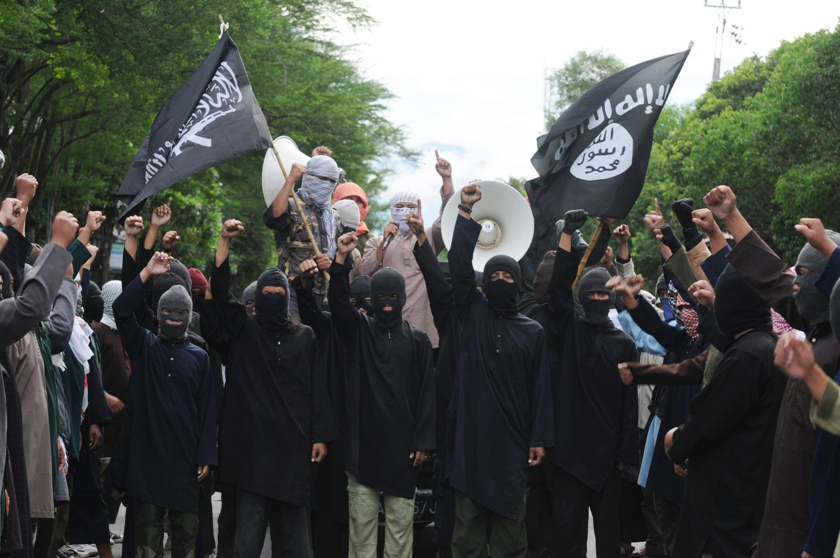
point(220, 97)
point(644, 96)
point(609, 155)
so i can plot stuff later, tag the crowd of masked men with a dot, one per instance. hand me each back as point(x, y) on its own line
point(698, 416)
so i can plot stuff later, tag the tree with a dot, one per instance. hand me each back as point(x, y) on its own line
point(579, 73)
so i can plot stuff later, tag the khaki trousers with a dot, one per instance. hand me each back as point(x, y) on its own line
point(364, 521)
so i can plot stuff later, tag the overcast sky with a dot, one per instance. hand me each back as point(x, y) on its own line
point(468, 75)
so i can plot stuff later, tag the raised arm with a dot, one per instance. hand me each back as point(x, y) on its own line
point(25, 188)
point(461, 252)
point(133, 227)
point(310, 314)
point(565, 266)
point(133, 336)
point(232, 314)
point(687, 372)
point(60, 324)
point(438, 288)
point(160, 217)
point(444, 169)
point(281, 202)
point(344, 315)
point(38, 290)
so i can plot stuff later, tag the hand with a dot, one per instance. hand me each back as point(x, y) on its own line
point(307, 269)
point(346, 243)
point(323, 262)
point(62, 457)
point(94, 221)
point(232, 228)
point(814, 232)
point(443, 168)
point(170, 240)
point(419, 457)
point(319, 452)
point(95, 436)
point(535, 456)
point(607, 261)
point(622, 234)
point(115, 406)
point(626, 375)
point(391, 228)
point(133, 225)
point(11, 211)
point(607, 221)
point(64, 229)
point(704, 220)
point(704, 293)
point(470, 194)
point(573, 220)
point(654, 219)
point(665, 234)
point(794, 356)
point(680, 471)
point(159, 264)
point(94, 250)
point(415, 220)
point(721, 201)
point(669, 440)
point(162, 214)
point(296, 172)
point(322, 150)
point(203, 471)
point(25, 186)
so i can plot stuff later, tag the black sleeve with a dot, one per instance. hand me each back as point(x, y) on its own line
point(310, 314)
point(645, 316)
point(280, 223)
point(460, 264)
point(437, 287)
point(560, 285)
point(15, 255)
point(344, 315)
point(230, 312)
point(97, 408)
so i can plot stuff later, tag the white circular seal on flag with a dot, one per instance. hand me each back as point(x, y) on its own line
point(609, 155)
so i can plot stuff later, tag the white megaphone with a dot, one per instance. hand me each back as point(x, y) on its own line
point(272, 176)
point(507, 224)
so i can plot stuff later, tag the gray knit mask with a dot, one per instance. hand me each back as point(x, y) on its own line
point(809, 300)
point(171, 307)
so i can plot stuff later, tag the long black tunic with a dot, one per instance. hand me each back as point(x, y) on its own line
point(276, 404)
point(501, 403)
point(728, 443)
point(390, 406)
point(595, 415)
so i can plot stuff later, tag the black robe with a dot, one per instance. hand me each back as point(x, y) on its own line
point(501, 403)
point(390, 405)
point(728, 442)
point(276, 404)
point(329, 483)
point(595, 415)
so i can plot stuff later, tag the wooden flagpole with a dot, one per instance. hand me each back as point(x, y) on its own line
point(589, 249)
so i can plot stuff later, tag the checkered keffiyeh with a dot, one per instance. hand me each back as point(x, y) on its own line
point(689, 317)
point(780, 326)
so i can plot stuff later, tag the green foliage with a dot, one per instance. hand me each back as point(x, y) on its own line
point(579, 73)
point(83, 81)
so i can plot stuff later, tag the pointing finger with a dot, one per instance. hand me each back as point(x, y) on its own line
point(436, 155)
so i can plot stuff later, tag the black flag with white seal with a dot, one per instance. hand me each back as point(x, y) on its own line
point(596, 154)
point(212, 118)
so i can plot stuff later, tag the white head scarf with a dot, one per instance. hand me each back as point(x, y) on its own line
point(399, 214)
point(110, 291)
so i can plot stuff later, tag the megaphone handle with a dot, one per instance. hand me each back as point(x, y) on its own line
point(299, 205)
point(589, 249)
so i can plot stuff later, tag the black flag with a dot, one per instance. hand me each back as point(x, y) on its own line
point(211, 119)
point(596, 155)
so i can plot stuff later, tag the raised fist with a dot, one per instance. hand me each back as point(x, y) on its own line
point(170, 240)
point(346, 243)
point(470, 194)
point(26, 185)
point(622, 234)
point(64, 229)
point(162, 214)
point(574, 219)
point(159, 264)
point(133, 225)
point(704, 220)
point(11, 212)
point(94, 221)
point(721, 201)
point(232, 228)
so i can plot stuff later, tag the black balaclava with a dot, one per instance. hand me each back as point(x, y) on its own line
point(8, 289)
point(501, 295)
point(181, 271)
point(834, 305)
point(388, 281)
point(543, 277)
point(595, 312)
point(94, 305)
point(250, 293)
point(809, 300)
point(272, 310)
point(737, 307)
point(162, 284)
point(359, 290)
point(175, 300)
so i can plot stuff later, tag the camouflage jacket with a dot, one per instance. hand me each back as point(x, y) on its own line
point(292, 242)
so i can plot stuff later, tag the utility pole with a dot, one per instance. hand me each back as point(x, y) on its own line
point(720, 33)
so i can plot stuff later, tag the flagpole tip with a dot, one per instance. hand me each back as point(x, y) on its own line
point(222, 26)
point(221, 19)
point(690, 44)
